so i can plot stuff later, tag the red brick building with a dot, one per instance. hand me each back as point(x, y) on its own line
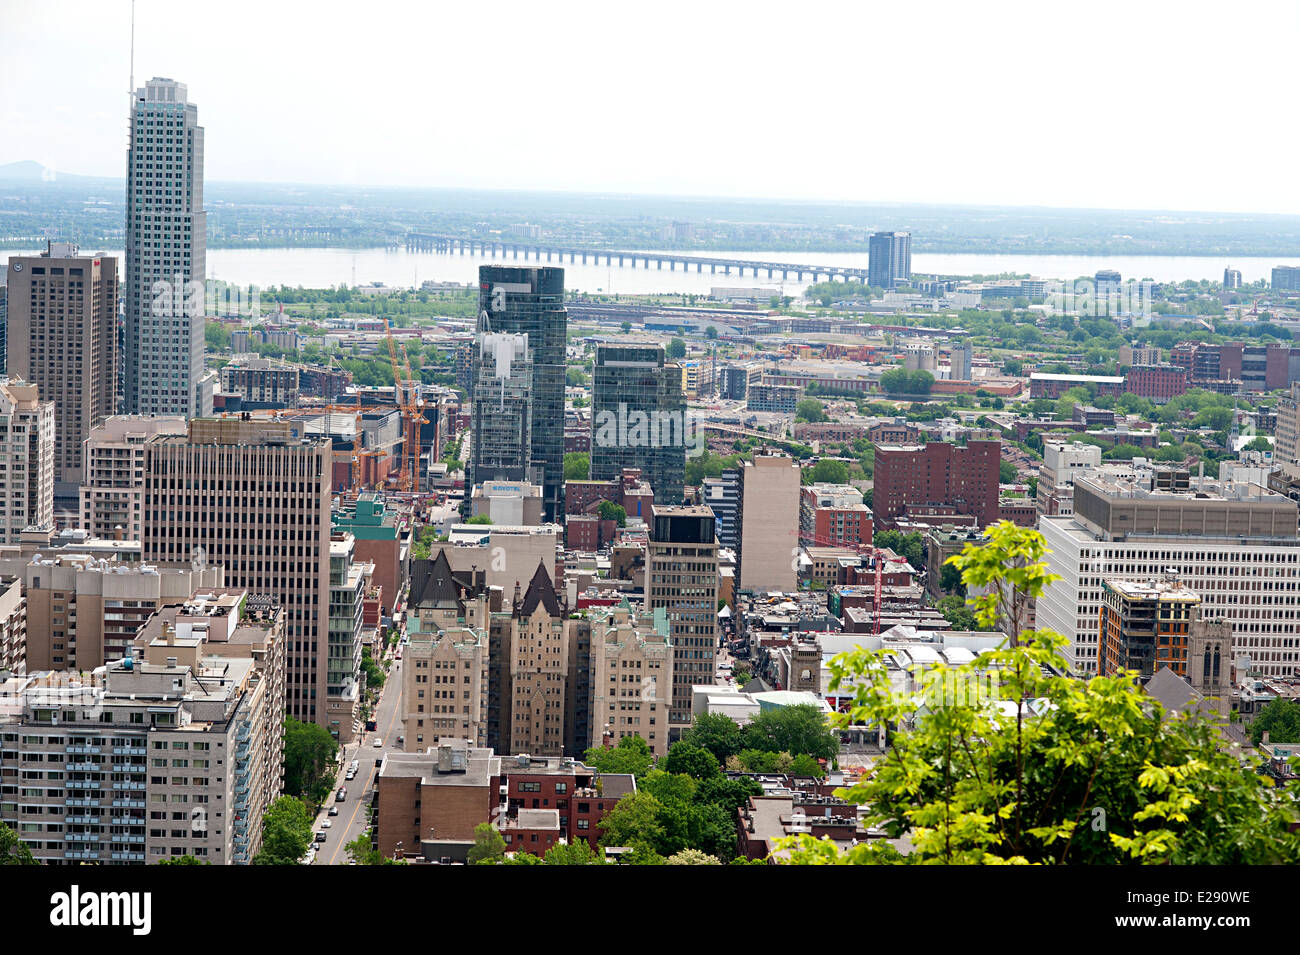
point(938, 474)
point(1157, 382)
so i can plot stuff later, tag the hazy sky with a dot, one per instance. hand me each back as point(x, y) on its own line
point(1121, 105)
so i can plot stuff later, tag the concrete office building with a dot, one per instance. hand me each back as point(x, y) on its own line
point(253, 496)
point(176, 750)
point(85, 612)
point(512, 503)
point(632, 677)
point(1062, 463)
point(113, 479)
point(768, 518)
point(62, 337)
point(682, 579)
point(27, 459)
point(166, 256)
point(639, 418)
point(530, 301)
point(889, 259)
point(1233, 545)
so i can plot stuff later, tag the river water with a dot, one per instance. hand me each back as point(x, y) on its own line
point(322, 268)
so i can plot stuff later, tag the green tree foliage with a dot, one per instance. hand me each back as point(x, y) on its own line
point(719, 734)
point(286, 832)
point(309, 754)
point(911, 546)
point(711, 333)
point(574, 853)
point(13, 851)
point(827, 471)
point(692, 857)
point(479, 519)
point(488, 845)
point(217, 336)
point(809, 409)
point(689, 760)
point(1280, 719)
point(676, 349)
point(1079, 772)
point(805, 765)
point(900, 381)
point(957, 613)
point(631, 755)
point(375, 675)
point(183, 860)
point(1006, 472)
point(609, 511)
point(574, 377)
point(577, 466)
point(1008, 571)
point(950, 580)
point(793, 729)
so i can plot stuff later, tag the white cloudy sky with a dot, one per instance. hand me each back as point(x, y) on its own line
point(1135, 104)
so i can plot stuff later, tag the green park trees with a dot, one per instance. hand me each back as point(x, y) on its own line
point(1010, 761)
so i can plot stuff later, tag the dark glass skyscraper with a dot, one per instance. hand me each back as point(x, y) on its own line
point(639, 418)
point(531, 302)
point(889, 258)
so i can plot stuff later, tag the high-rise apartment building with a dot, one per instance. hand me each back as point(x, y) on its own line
point(1286, 278)
point(539, 666)
point(1231, 279)
point(349, 581)
point(1286, 435)
point(1234, 545)
point(530, 301)
point(26, 460)
point(1144, 626)
point(722, 496)
point(682, 580)
point(939, 473)
point(889, 259)
point(84, 613)
point(166, 256)
point(768, 519)
point(445, 694)
point(631, 677)
point(62, 337)
point(175, 750)
point(113, 473)
point(638, 418)
point(253, 496)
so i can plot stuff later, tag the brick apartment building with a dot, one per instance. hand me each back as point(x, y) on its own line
point(439, 796)
point(964, 478)
point(1157, 382)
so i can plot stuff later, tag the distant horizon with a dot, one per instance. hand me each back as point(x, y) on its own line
point(777, 200)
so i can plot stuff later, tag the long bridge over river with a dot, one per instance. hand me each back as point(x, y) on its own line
point(511, 249)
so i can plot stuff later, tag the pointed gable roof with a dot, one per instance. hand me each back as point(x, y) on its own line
point(434, 586)
point(540, 591)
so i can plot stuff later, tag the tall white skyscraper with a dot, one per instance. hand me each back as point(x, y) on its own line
point(166, 261)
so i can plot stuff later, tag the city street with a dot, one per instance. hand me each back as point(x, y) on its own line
point(354, 811)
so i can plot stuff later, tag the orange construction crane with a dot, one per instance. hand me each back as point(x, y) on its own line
point(410, 411)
